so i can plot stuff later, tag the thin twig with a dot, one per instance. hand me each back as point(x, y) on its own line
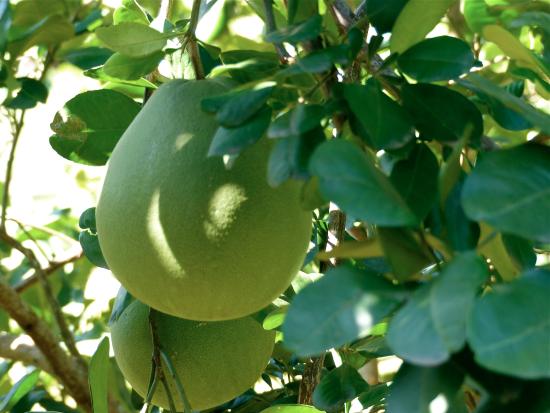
point(192, 46)
point(52, 268)
point(271, 26)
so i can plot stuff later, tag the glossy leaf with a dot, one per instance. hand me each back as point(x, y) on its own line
point(515, 344)
point(442, 114)
point(233, 140)
point(337, 387)
point(456, 288)
point(415, 178)
point(438, 58)
point(387, 124)
point(306, 30)
point(88, 57)
point(461, 232)
point(383, 13)
point(415, 21)
point(91, 125)
point(480, 84)
point(300, 119)
point(510, 190)
point(90, 245)
point(131, 68)
point(133, 39)
point(349, 178)
point(98, 377)
point(87, 220)
point(412, 333)
point(31, 93)
point(359, 300)
point(18, 390)
point(421, 389)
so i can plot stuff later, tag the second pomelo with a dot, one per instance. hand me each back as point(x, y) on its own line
point(215, 361)
point(182, 233)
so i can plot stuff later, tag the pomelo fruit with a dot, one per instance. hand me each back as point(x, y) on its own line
point(182, 233)
point(215, 361)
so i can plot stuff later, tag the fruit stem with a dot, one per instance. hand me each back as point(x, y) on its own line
point(192, 46)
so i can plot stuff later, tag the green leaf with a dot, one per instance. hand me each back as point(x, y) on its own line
point(509, 327)
point(122, 301)
point(98, 377)
point(477, 15)
point(88, 57)
point(442, 114)
point(93, 123)
point(87, 220)
point(415, 178)
point(302, 118)
point(383, 13)
point(510, 190)
point(438, 58)
point(32, 91)
point(233, 140)
point(520, 250)
point(349, 178)
point(415, 21)
point(49, 31)
point(387, 124)
point(18, 390)
point(420, 390)
point(291, 408)
point(337, 387)
point(374, 396)
point(478, 83)
point(512, 47)
point(358, 300)
point(275, 319)
point(403, 252)
point(5, 22)
point(318, 61)
point(412, 334)
point(133, 39)
point(130, 11)
point(504, 116)
point(237, 107)
point(131, 68)
point(90, 245)
point(306, 30)
point(462, 233)
point(456, 288)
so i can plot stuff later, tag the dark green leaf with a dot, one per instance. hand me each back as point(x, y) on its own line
point(90, 245)
point(480, 84)
point(437, 58)
point(337, 387)
point(92, 17)
point(509, 327)
point(387, 124)
point(415, 178)
point(452, 297)
point(358, 300)
point(131, 68)
point(350, 178)
point(306, 30)
point(374, 396)
point(87, 220)
point(122, 301)
point(289, 157)
point(442, 114)
point(319, 61)
point(520, 250)
point(18, 390)
point(93, 124)
point(383, 13)
point(233, 140)
point(300, 119)
point(415, 21)
point(32, 91)
point(98, 377)
point(462, 233)
point(421, 390)
point(133, 39)
point(504, 116)
point(299, 10)
point(412, 334)
point(510, 190)
point(88, 57)
point(403, 252)
point(237, 107)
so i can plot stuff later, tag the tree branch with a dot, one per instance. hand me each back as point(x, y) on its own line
point(342, 13)
point(68, 370)
point(27, 354)
point(192, 46)
point(271, 26)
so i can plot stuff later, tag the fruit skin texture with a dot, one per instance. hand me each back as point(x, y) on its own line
point(215, 361)
point(183, 234)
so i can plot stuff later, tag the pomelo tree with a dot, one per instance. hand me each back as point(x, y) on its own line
point(414, 133)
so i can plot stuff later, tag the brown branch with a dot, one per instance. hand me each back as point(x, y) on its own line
point(192, 46)
point(53, 267)
point(24, 353)
point(65, 367)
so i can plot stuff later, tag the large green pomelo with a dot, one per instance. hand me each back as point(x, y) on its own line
point(183, 234)
point(215, 361)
